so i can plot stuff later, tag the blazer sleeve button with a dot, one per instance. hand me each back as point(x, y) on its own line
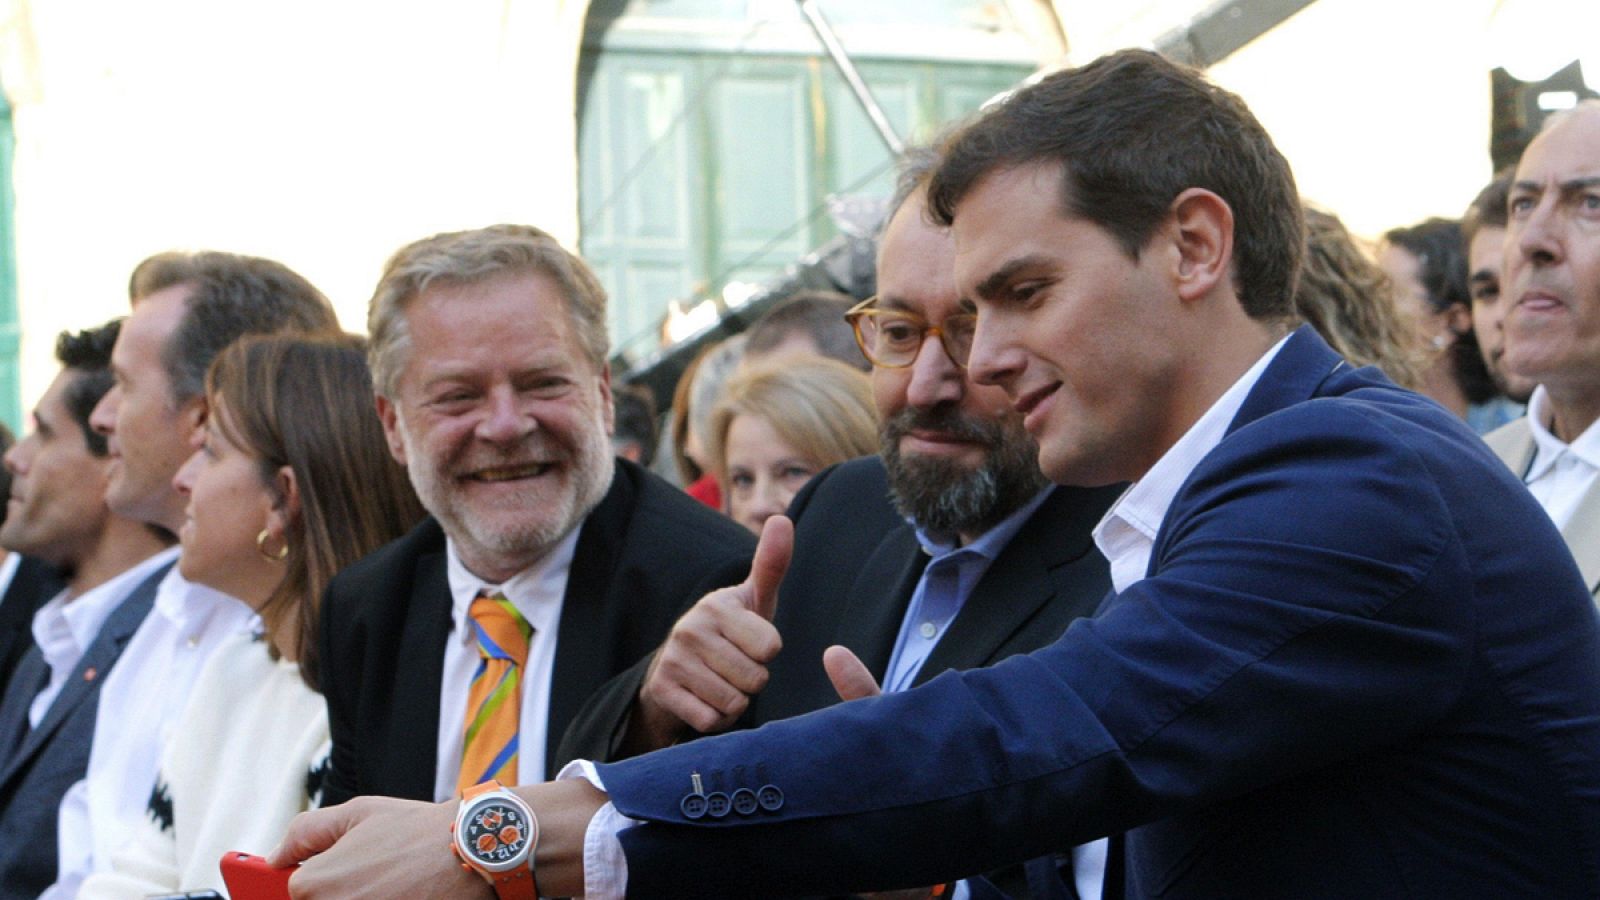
point(770, 798)
point(745, 802)
point(693, 806)
point(718, 804)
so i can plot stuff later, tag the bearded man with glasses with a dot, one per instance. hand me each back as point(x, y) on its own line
point(950, 550)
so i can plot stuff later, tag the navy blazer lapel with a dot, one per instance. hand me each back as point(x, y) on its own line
point(419, 675)
point(83, 685)
point(878, 597)
point(1303, 364)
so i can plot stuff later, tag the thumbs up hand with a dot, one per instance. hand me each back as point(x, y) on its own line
point(715, 659)
point(850, 676)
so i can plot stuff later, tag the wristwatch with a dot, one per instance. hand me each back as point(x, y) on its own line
point(494, 835)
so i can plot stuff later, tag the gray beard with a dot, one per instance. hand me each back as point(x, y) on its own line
point(941, 495)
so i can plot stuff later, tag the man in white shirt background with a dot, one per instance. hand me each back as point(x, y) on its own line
point(187, 307)
point(1550, 291)
point(57, 513)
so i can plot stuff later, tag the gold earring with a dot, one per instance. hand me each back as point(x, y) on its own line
point(261, 547)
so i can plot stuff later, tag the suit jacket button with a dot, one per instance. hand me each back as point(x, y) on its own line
point(693, 806)
point(717, 804)
point(745, 802)
point(770, 798)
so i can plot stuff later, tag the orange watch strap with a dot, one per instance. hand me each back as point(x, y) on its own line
point(516, 885)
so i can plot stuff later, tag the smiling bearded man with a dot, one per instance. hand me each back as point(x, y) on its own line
point(489, 358)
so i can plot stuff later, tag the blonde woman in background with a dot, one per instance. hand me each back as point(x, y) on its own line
point(778, 424)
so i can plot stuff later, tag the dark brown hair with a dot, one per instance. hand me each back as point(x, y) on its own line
point(229, 296)
point(1488, 209)
point(306, 403)
point(1131, 131)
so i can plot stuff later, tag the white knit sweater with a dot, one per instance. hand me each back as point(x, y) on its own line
point(248, 755)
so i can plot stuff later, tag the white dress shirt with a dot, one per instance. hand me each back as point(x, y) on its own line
point(140, 702)
point(1561, 473)
point(66, 626)
point(537, 592)
point(1126, 536)
point(1127, 532)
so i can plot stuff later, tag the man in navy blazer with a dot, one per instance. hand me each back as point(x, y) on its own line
point(1348, 655)
point(949, 550)
point(112, 564)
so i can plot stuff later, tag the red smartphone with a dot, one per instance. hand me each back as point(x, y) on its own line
point(250, 878)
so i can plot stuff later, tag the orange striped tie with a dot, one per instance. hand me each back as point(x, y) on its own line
point(494, 704)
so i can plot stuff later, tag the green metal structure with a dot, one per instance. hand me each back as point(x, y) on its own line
point(10, 330)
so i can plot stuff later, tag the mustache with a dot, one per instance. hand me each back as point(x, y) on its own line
point(946, 419)
point(533, 452)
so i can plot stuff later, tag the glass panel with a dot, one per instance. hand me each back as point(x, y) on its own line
point(652, 161)
point(762, 154)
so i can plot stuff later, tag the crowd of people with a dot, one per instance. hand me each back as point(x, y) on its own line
point(1145, 534)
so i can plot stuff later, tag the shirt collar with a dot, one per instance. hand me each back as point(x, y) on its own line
point(66, 626)
point(536, 591)
point(1548, 448)
point(991, 542)
point(189, 605)
point(1128, 530)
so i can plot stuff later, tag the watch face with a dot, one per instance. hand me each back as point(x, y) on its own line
point(495, 833)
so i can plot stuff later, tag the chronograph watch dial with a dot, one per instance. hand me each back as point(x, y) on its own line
point(494, 834)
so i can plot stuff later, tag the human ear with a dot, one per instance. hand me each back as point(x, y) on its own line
point(608, 409)
point(192, 419)
point(389, 415)
point(1201, 225)
point(285, 507)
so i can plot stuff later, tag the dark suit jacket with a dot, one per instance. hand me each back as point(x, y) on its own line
point(643, 555)
point(856, 563)
point(1363, 665)
point(31, 587)
point(40, 765)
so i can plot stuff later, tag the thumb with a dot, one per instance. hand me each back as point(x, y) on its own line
point(770, 564)
point(850, 676)
point(311, 833)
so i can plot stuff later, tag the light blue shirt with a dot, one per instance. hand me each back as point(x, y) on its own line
point(946, 583)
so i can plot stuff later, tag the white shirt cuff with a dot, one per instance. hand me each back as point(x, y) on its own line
point(605, 869)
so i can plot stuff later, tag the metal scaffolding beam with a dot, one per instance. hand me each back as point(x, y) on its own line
point(1223, 28)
